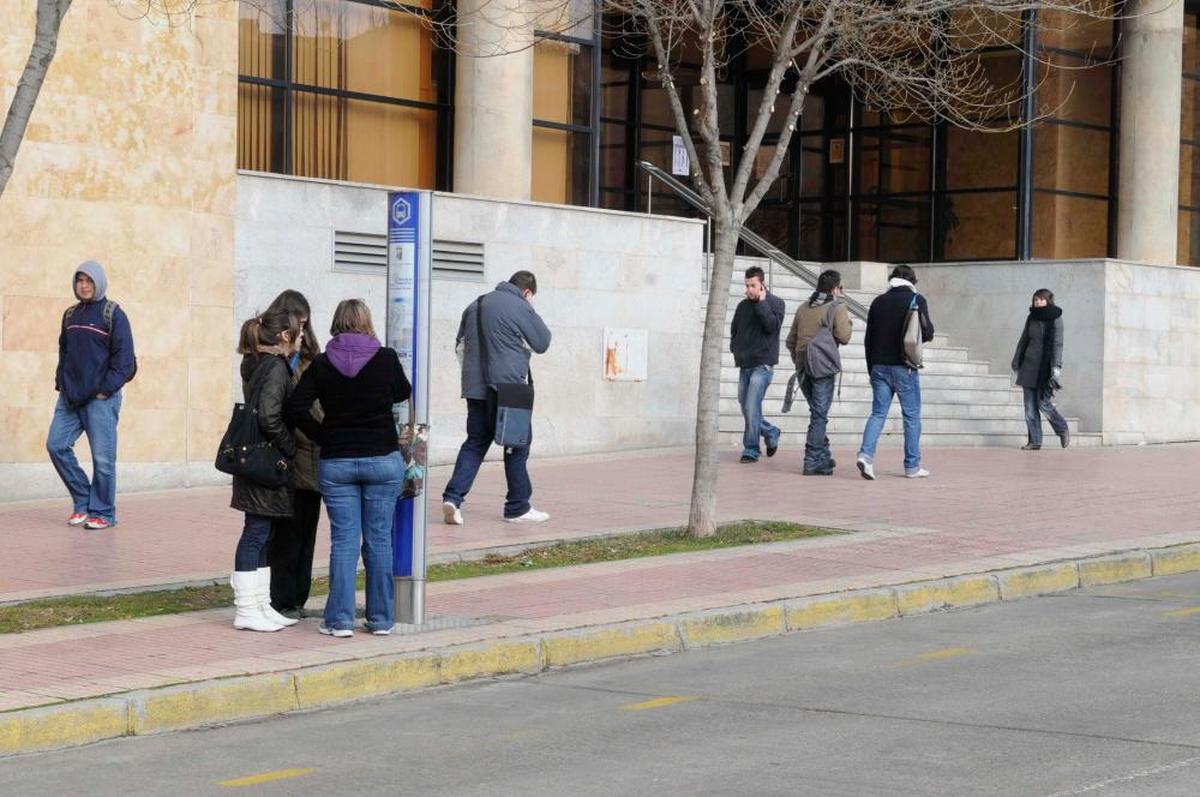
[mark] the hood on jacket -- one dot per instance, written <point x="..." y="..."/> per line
<point x="96" y="272"/>
<point x="350" y="351"/>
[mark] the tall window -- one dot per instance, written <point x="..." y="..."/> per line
<point x="1073" y="144"/>
<point x="343" y="90"/>
<point x="563" y="127"/>
<point x="1189" y="150"/>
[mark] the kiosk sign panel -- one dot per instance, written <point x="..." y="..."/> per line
<point x="408" y="284"/>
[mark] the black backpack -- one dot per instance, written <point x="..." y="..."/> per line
<point x="110" y="309"/>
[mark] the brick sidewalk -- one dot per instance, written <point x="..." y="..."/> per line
<point x="999" y="494"/>
<point x="983" y="509"/>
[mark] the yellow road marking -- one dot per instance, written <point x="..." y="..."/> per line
<point x="659" y="702"/>
<point x="1183" y="612"/>
<point x="935" y="655"/>
<point x="267" y="777"/>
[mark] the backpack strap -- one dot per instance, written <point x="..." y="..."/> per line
<point x="67" y="315"/>
<point x="827" y="320"/>
<point x="110" y="309"/>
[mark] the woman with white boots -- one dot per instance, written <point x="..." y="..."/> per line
<point x="267" y="344"/>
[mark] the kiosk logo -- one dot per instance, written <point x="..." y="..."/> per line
<point x="401" y="211"/>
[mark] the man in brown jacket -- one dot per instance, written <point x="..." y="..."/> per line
<point x="821" y="310"/>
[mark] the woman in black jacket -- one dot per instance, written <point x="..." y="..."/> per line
<point x="290" y="551"/>
<point x="1038" y="366"/>
<point x="267" y="343"/>
<point x="357" y="381"/>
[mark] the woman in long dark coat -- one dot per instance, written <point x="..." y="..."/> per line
<point x="1038" y="365"/>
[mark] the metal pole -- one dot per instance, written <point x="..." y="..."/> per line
<point x="409" y="273"/>
<point x="649" y="192"/>
<point x="1028" y="110"/>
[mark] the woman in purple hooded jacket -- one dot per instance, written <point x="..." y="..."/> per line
<point x="360" y="472"/>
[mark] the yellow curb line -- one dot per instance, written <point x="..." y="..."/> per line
<point x="235" y="698"/>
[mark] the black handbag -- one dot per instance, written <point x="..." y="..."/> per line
<point x="509" y="405"/>
<point x="245" y="452"/>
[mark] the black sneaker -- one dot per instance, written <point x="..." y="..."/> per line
<point x="818" y="471"/>
<point x="1065" y="439"/>
<point x="746" y="459"/>
<point x="772" y="449"/>
<point x="1032" y="447"/>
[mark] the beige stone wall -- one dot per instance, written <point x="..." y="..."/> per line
<point x="130" y="160"/>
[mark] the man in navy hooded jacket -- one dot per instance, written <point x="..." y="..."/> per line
<point x="95" y="360"/>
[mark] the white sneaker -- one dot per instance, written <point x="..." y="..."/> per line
<point x="866" y="468"/>
<point x="383" y="631"/>
<point x="340" y="633"/>
<point x="532" y="516"/>
<point x="451" y="515"/>
<point x="919" y="473"/>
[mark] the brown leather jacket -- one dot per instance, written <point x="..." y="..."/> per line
<point x="808" y="321"/>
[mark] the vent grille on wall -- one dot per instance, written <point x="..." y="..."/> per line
<point x="359" y="252"/>
<point x="367" y="253"/>
<point x="458" y="260"/>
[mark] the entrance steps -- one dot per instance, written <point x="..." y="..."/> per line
<point x="963" y="402"/>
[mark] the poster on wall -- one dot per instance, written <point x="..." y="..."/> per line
<point x="626" y="355"/>
<point x="680" y="162"/>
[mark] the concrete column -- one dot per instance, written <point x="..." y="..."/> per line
<point x="1151" y="86"/>
<point x="493" y="100"/>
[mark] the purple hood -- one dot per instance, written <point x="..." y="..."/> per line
<point x="350" y="351"/>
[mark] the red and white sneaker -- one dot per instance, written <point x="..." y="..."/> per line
<point x="77" y="519"/>
<point x="97" y="524"/>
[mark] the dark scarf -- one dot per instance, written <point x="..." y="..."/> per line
<point x="1047" y="315"/>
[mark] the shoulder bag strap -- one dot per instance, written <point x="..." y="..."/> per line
<point x="483" y="371"/>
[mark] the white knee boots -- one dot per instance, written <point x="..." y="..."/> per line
<point x="264" y="592"/>
<point x="248" y="613"/>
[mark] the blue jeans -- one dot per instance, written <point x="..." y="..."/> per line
<point x="819" y="393"/>
<point x="904" y="382"/>
<point x="1037" y="402"/>
<point x="752" y="386"/>
<point x="481" y="428"/>
<point x="98" y="420"/>
<point x="251" y="551"/>
<point x="360" y="498"/>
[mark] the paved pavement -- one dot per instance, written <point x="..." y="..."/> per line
<point x="1088" y="693"/>
<point x="984" y="509"/>
<point x="989" y="500"/>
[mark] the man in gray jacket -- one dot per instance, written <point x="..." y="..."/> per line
<point x="511" y="329"/>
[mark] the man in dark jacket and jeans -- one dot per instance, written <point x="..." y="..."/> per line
<point x="891" y="374"/>
<point x="512" y="328"/>
<point x="754" y="341"/>
<point x="95" y="360"/>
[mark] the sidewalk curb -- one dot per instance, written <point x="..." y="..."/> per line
<point x="235" y="698"/>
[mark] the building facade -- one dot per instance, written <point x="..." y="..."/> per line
<point x="197" y="160"/>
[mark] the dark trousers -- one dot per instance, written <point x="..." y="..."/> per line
<point x="291" y="552"/>
<point x="481" y="428"/>
<point x="1039" y="402"/>
<point x="819" y="393"/>
<point x="251" y="551"/>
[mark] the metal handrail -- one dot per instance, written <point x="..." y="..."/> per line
<point x="772" y="253"/>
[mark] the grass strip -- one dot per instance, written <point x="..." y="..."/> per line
<point x="78" y="609"/>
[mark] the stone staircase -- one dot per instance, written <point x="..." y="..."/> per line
<point x="963" y="402"/>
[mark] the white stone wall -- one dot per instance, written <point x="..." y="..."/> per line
<point x="595" y="269"/>
<point x="1151" y="353"/>
<point x="1132" y="333"/>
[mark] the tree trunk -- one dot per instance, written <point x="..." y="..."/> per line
<point x="45" y="41"/>
<point x="702" y="520"/>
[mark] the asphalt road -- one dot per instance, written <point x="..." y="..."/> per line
<point x="1093" y="693"/>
